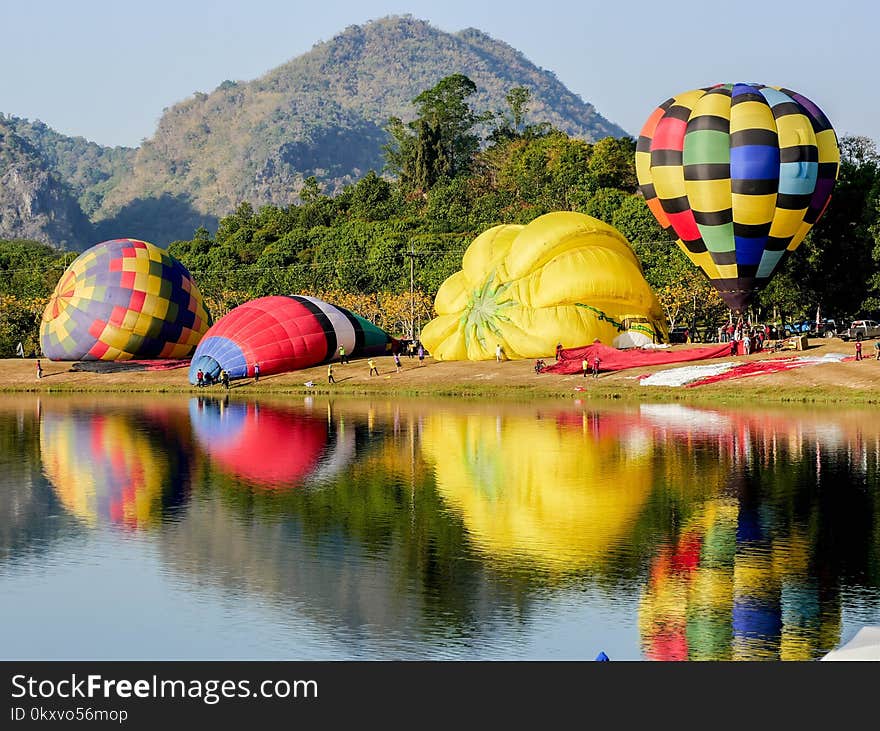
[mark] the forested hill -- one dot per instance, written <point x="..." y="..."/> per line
<point x="324" y="114"/>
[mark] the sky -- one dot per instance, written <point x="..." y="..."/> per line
<point x="106" y="69"/>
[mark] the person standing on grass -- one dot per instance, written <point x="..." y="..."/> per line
<point x="411" y="348"/>
<point x="499" y="353"/>
<point x="200" y="378"/>
<point x="585" y="366"/>
<point x="256" y="372"/>
<point x="224" y="379"/>
<point x="39" y="370"/>
<point x="596" y="362"/>
<point x="330" y="378"/>
<point x="421" y="354"/>
<point x="858" y="349"/>
<point x="372" y="365"/>
<point x="877" y="349"/>
<point x="343" y="358"/>
<point x="397" y="361"/>
<point x="558" y="350"/>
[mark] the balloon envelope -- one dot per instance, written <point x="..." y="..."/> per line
<point x="123" y="299"/>
<point x="565" y="277"/>
<point x="740" y="173"/>
<point x="283" y="333"/>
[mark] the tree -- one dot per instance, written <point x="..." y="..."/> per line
<point x="441" y="141"/>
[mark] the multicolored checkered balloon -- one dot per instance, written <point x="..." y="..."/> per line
<point x="740" y="173"/>
<point x="121" y="300"/>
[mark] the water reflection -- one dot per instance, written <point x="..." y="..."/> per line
<point x="410" y="529"/>
<point x="29" y="510"/>
<point x="556" y="493"/>
<point x="125" y="467"/>
<point x="757" y="572"/>
<point x="272" y="447"/>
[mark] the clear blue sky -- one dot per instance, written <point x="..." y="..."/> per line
<point x="105" y="69"/>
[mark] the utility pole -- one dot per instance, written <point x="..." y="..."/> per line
<point x="412" y="288"/>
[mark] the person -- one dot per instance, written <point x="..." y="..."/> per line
<point x="39" y="370"/>
<point x="558" y="350"/>
<point x="539" y="365"/>
<point x="421" y="354"/>
<point x="224" y="379"/>
<point x="372" y="365"/>
<point x="877" y="348"/>
<point x="733" y="347"/>
<point x="200" y="378"/>
<point x="411" y="348"/>
<point x="596" y="362"/>
<point x="256" y="372"/>
<point x="747" y="344"/>
<point x="499" y="353"/>
<point x="330" y="378"/>
<point x="397" y="361"/>
<point x="342" y="356"/>
<point x="585" y="366"/>
<point x="687" y="335"/>
<point x="858" y="349"/>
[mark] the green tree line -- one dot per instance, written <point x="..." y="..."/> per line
<point x="455" y="171"/>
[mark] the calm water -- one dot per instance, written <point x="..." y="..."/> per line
<point x="307" y="529"/>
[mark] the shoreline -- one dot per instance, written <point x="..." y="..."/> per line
<point x="846" y="383"/>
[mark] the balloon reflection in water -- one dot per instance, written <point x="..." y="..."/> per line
<point x="733" y="587"/>
<point x="544" y="493"/>
<point x="120" y="467"/>
<point x="269" y="447"/>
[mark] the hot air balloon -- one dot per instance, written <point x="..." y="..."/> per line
<point x="283" y="333"/>
<point x="565" y="277"/>
<point x="740" y="173"/>
<point x="120" y="300"/>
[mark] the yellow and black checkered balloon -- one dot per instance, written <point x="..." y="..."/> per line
<point x="740" y="172"/>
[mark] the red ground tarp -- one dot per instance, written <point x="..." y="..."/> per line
<point x="612" y="359"/>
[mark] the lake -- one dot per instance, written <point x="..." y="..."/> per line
<point x="168" y="527"/>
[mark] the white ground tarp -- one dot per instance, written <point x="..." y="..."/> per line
<point x="864" y="646"/>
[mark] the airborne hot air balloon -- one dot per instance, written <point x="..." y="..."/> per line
<point x="283" y="333"/>
<point x="120" y="300"/>
<point x="740" y="173"/>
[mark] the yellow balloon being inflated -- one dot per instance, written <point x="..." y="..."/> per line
<point x="565" y="277"/>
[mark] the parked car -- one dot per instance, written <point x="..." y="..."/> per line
<point x="797" y="328"/>
<point x="679" y="334"/>
<point x="828" y="328"/>
<point x="862" y="330"/>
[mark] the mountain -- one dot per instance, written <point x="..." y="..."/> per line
<point x="34" y="202"/>
<point x="322" y="113"/>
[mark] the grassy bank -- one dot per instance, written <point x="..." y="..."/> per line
<point x="834" y="383"/>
